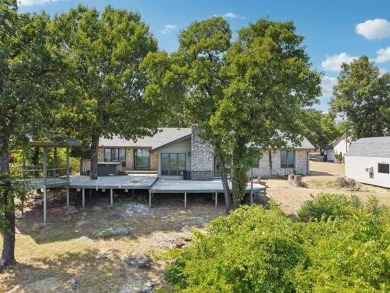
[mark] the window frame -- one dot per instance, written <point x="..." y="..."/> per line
<point x="144" y="151"/>
<point x="115" y="155"/>
<point x="174" y="168"/>
<point x="287" y="164"/>
<point x="386" y="167"/>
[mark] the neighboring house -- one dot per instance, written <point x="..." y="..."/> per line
<point x="340" y="145"/>
<point x="179" y="152"/>
<point x="368" y="159"/>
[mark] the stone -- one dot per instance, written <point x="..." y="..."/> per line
<point x="109" y="232"/>
<point x="139" y="261"/>
<point x="97" y="208"/>
<point x="137" y="286"/>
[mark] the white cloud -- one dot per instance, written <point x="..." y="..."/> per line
<point x="383" y="55"/>
<point x="34" y="2"/>
<point x="230" y="15"/>
<point x="168" y="28"/>
<point x="333" y="63"/>
<point x="374" y="29"/>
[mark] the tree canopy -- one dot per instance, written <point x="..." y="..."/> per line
<point x="104" y="85"/>
<point x="27" y="99"/>
<point x="362" y="96"/>
<point x="246" y="95"/>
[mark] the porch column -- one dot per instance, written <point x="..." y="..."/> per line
<point x="67" y="195"/>
<point x="216" y="199"/>
<point x="112" y="197"/>
<point x="185" y="200"/>
<point x="150" y="198"/>
<point x="83" y="197"/>
<point x="45" y="185"/>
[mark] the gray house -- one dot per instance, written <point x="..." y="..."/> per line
<point x="368" y="159"/>
<point x="174" y="153"/>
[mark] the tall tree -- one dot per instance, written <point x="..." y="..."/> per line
<point x="26" y="100"/>
<point x="319" y="128"/>
<point x="105" y="86"/>
<point x="245" y="95"/>
<point x="270" y="82"/>
<point x="362" y="95"/>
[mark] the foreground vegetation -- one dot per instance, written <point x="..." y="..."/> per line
<point x="335" y="244"/>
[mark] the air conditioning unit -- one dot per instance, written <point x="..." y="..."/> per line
<point x="370" y="169"/>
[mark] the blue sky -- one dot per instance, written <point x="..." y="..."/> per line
<point x="334" y="31"/>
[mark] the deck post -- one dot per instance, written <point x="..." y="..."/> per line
<point x="150" y="198"/>
<point x="185" y="200"/>
<point x="83" y="197"/>
<point x="216" y="199"/>
<point x="112" y="197"/>
<point x="45" y="185"/>
<point x="67" y="164"/>
<point x="67" y="195"/>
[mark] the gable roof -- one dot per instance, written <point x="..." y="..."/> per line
<point x="163" y="137"/>
<point x="370" y="147"/>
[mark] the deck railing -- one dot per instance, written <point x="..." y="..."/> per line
<point x="35" y="174"/>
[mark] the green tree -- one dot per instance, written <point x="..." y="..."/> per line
<point x="319" y="127"/>
<point x="105" y="86"/>
<point x="362" y="96"/>
<point x="26" y="98"/>
<point x="244" y="95"/>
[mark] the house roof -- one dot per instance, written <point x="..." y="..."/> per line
<point x="370" y="147"/>
<point x="63" y="142"/>
<point x="338" y="140"/>
<point x="306" y="145"/>
<point x="163" y="137"/>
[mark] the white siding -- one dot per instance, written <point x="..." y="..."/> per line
<point x="179" y="147"/>
<point x="355" y="169"/>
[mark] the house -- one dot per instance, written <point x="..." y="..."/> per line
<point x="174" y="153"/>
<point x="368" y="159"/>
<point x="339" y="146"/>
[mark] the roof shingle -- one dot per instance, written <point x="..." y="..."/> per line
<point x="370" y="147"/>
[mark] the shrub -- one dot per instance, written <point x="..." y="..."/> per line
<point x="251" y="250"/>
<point x="328" y="206"/>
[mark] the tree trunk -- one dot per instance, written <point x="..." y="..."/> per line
<point x="225" y="184"/>
<point x="239" y="173"/>
<point x="94" y="155"/>
<point x="7" y="200"/>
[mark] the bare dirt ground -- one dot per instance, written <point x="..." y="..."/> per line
<point x="77" y="251"/>
<point x="322" y="179"/>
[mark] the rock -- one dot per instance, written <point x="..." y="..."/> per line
<point x="97" y="208"/>
<point x="70" y="209"/>
<point x="109" y="232"/>
<point x="139" y="261"/>
<point x="137" y="286"/>
<point x="104" y="254"/>
<point x="74" y="283"/>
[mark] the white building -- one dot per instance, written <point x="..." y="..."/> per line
<point x="340" y="145"/>
<point x="368" y="159"/>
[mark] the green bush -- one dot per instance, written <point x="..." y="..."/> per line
<point x="328" y="206"/>
<point x="345" y="249"/>
<point x="251" y="250"/>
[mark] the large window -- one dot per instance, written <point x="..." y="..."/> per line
<point x="287" y="159"/>
<point x="115" y="155"/>
<point x="173" y="164"/>
<point x="141" y="159"/>
<point x="383" y="168"/>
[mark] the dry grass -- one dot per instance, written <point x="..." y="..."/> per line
<point x="66" y="249"/>
<point x="322" y="179"/>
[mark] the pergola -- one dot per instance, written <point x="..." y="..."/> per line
<point x="50" y="177"/>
